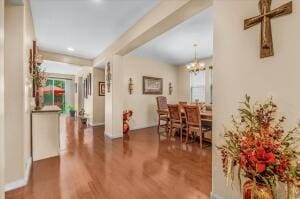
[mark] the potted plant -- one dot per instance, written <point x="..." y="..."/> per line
<point x="82" y="116"/>
<point x="72" y="110"/>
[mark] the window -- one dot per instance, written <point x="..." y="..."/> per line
<point x="198" y="86"/>
<point x="54" y="93"/>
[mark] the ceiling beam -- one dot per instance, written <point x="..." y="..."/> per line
<point x="65" y="58"/>
<point x="16" y="2"/>
<point x="163" y="17"/>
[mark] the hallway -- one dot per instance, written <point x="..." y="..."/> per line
<point x="144" y="166"/>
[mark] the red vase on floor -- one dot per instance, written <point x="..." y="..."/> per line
<point x="125" y="127"/>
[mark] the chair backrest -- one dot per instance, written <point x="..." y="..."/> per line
<point x="161" y="102"/>
<point x="174" y="112"/>
<point x="208" y="107"/>
<point x="192" y="113"/>
<point x="183" y="103"/>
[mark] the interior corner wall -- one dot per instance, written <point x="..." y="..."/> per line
<point x="87" y="101"/>
<point x="14" y="84"/>
<point x="98" y="101"/>
<point x="2" y="130"/>
<point x="238" y="70"/>
<point x="19" y="34"/>
<point x="144" y="107"/>
<point x="183" y="77"/>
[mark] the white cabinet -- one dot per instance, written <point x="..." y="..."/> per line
<point x="45" y="133"/>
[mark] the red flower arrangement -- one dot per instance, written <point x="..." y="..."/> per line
<point x="126" y="117"/>
<point x="261" y="149"/>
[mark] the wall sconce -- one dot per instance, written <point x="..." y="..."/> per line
<point x="170" y="88"/>
<point x="130" y="86"/>
<point x="108" y="77"/>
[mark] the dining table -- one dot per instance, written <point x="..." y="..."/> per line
<point x="206" y="116"/>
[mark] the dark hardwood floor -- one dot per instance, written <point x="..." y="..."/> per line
<point x="145" y="165"/>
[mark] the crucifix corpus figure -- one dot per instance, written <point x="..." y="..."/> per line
<point x="266" y="49"/>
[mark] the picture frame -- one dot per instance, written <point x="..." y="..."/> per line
<point x="152" y="85"/>
<point x="101" y="89"/>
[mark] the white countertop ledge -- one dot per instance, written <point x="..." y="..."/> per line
<point x="48" y="109"/>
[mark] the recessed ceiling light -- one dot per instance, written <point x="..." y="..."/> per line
<point x="71" y="49"/>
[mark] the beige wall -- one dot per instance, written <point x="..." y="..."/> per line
<point x="98" y="101"/>
<point x="144" y="106"/>
<point x="19" y="34"/>
<point x="183" y="77"/>
<point x="239" y="70"/>
<point x="2" y="130"/>
<point x="14" y="109"/>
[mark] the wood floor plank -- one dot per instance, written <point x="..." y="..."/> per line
<point x="145" y="165"/>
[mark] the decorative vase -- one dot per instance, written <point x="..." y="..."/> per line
<point x="83" y="120"/>
<point x="258" y="191"/>
<point x="37" y="100"/>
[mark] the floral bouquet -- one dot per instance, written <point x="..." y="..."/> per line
<point x="39" y="76"/>
<point x="261" y="150"/>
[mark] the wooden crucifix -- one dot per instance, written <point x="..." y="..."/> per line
<point x="266" y="49"/>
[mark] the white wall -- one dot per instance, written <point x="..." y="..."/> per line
<point x="144" y="106"/>
<point x="239" y="70"/>
<point x="183" y="77"/>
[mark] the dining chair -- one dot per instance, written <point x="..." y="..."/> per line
<point x="175" y="119"/>
<point x="193" y="121"/>
<point x="207" y="107"/>
<point x="163" y="113"/>
<point x="207" y="120"/>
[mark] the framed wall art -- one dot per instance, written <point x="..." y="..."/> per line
<point x="101" y="88"/>
<point x="152" y="85"/>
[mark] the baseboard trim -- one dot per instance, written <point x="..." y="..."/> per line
<point x="143" y="127"/>
<point x="96" y="124"/>
<point x="113" y="136"/>
<point x="215" y="196"/>
<point x="21" y="182"/>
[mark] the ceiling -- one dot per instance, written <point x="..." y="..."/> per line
<point x="60" y="68"/>
<point x="176" y="46"/>
<point x="87" y="26"/>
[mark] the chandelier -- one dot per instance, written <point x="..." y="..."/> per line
<point x="195" y="66"/>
